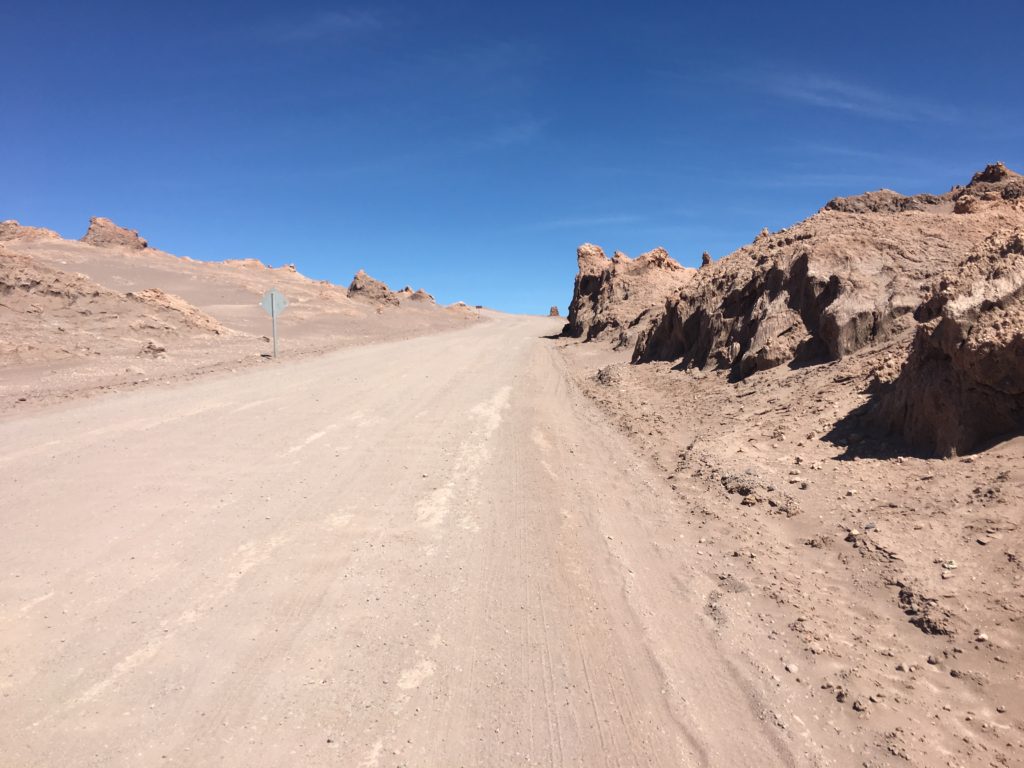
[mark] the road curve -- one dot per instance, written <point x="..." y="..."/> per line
<point x="422" y="553"/>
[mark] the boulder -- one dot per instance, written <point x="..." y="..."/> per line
<point x="365" y="288"/>
<point x="104" y="233"/>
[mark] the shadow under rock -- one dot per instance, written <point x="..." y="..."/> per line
<point x="861" y="437"/>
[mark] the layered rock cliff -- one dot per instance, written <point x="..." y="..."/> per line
<point x="610" y="295"/>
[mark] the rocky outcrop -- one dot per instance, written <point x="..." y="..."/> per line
<point x="244" y="263"/>
<point x="20" y="276"/>
<point x="185" y="314"/>
<point x="883" y="201"/>
<point x="553" y="312"/>
<point x="50" y="314"/>
<point x="419" y="295"/>
<point x="963" y="382"/>
<point x="11" y="229"/>
<point x="610" y="295"/>
<point x="365" y="288"/>
<point x="104" y="233"/>
<point x="849" y="276"/>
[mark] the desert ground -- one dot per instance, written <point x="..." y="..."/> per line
<point x="766" y="512"/>
<point x="396" y="554"/>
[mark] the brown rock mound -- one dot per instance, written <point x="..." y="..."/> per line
<point x="20" y="277"/>
<point x="963" y="382"/>
<point x="882" y="201"/>
<point x="610" y="295"/>
<point x="419" y="295"/>
<point x="553" y="312"/>
<point x="11" y="229"/>
<point x="105" y="234"/>
<point x="49" y="314"/>
<point x="366" y="288"/>
<point x="849" y="276"/>
<point x="188" y="315"/>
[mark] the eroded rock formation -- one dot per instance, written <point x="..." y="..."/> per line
<point x="963" y="382"/>
<point x="366" y="288"/>
<point x="610" y="295"/>
<point x="849" y="276"/>
<point x="104" y="233"/>
<point x="11" y="229"/>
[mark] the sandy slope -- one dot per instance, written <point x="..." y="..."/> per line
<point x="78" y="319"/>
<point x="422" y="553"/>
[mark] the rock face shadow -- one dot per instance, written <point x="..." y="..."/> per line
<point x="861" y="438"/>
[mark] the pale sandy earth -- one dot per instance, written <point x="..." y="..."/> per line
<point x="456" y="541"/>
<point x="429" y="552"/>
<point x="58" y="347"/>
<point x="877" y="593"/>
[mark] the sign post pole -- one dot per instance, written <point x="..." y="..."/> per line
<point x="274" y="302"/>
<point x="273" y="323"/>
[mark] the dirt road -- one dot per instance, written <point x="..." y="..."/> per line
<point x="422" y="553"/>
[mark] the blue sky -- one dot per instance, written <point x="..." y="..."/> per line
<point x="469" y="147"/>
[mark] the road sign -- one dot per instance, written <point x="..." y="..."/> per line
<point x="274" y="302"/>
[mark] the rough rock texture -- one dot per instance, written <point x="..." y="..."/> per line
<point x="883" y="201"/>
<point x="188" y="315"/>
<point x="963" y="382"/>
<point x="366" y="288"/>
<point x="553" y="312"/>
<point x="105" y="234"/>
<point x="610" y="295"/>
<point x="11" y="229"/>
<point x="77" y="319"/>
<point x="408" y="294"/>
<point x="849" y="276"/>
<point x="49" y="314"/>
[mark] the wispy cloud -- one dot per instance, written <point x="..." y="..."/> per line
<point x="832" y="93"/>
<point x="326" y="25"/>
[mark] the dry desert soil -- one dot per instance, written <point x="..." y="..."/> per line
<point x="670" y="532"/>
